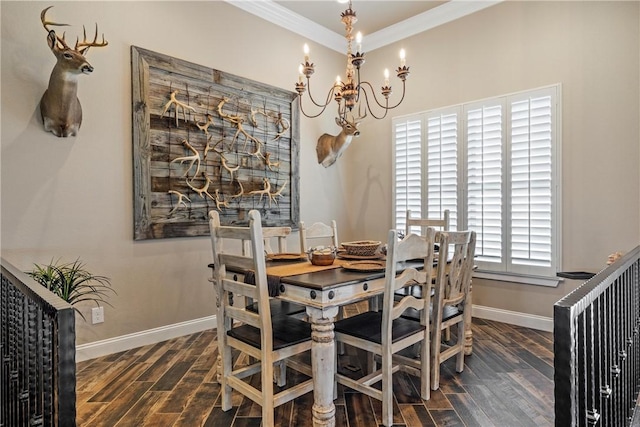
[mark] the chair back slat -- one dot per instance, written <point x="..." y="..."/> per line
<point x="243" y="315"/>
<point x="441" y="223"/>
<point x="240" y="288"/>
<point x="237" y="261"/>
<point x="270" y="233"/>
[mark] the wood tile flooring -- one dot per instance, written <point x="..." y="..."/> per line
<point x="507" y="382"/>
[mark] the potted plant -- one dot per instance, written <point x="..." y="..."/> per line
<point x="72" y="282"/>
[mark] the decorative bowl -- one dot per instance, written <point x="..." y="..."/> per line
<point x="362" y="247"/>
<point x="323" y="257"/>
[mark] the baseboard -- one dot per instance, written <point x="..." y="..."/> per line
<point x="142" y="338"/>
<point x="152" y="336"/>
<point x="514" y="318"/>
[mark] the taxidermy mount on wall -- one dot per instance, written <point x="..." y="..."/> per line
<point x="60" y="108"/>
<point x="330" y="147"/>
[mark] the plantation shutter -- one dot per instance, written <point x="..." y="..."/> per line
<point x="484" y="180"/>
<point x="531" y="183"/>
<point x="442" y="166"/>
<point x="408" y="169"/>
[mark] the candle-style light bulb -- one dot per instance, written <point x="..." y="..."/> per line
<point x="306" y="52"/>
<point x="359" y="41"/>
<point x="338" y="81"/>
<point x="386" y="77"/>
<point x="300" y="73"/>
<point x="403" y="60"/>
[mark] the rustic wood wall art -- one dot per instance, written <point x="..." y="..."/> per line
<point x="204" y="139"/>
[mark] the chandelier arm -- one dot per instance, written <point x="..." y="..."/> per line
<point x="307" y="115"/>
<point x="368" y="107"/>
<point x="327" y="100"/>
<point x="402" y="98"/>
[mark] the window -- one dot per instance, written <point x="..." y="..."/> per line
<point x="494" y="164"/>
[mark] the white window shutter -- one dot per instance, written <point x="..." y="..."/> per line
<point x="531" y="206"/>
<point x="484" y="180"/>
<point x="442" y="166"/>
<point x="408" y="169"/>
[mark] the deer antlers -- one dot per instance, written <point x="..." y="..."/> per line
<point x="81" y="47"/>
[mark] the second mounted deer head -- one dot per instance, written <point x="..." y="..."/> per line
<point x="60" y="108"/>
<point x="330" y="147"/>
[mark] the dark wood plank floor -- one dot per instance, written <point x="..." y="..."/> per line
<point x="507" y="382"/>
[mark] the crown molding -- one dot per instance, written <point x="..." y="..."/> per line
<point x="283" y="17"/>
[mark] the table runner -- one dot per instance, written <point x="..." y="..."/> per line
<point x="277" y="270"/>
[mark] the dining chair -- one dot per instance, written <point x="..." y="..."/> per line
<point x="385" y="333"/>
<point x="269" y="339"/>
<point x="451" y="300"/>
<point x="316" y="231"/>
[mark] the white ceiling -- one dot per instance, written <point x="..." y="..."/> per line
<point x="381" y="22"/>
<point x="373" y="15"/>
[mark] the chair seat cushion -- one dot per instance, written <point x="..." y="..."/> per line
<point x="368" y="326"/>
<point x="279" y="308"/>
<point x="287" y="331"/>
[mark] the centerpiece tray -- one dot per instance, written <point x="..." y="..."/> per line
<point x="286" y="256"/>
<point x="371" y="265"/>
<point x="345" y="255"/>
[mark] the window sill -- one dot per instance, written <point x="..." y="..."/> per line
<point x="551" y="282"/>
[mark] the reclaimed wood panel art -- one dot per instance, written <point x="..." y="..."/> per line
<point x="204" y="139"/>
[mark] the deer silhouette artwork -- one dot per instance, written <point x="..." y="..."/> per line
<point x="59" y="106"/>
<point x="330" y="147"/>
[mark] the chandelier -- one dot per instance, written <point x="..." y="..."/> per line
<point x="352" y="93"/>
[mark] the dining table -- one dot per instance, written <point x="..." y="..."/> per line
<point x="322" y="290"/>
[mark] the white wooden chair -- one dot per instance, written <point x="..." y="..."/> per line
<point x="451" y="299"/>
<point x="317" y="231"/>
<point x="442" y="223"/>
<point x="385" y="333"/>
<point x="257" y="334"/>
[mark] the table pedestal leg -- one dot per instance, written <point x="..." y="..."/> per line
<point x="323" y="362"/>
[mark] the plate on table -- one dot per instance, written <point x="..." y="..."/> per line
<point x="371" y="265"/>
<point x="286" y="256"/>
<point x="345" y="255"/>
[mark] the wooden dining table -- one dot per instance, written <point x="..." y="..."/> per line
<point x="322" y="290"/>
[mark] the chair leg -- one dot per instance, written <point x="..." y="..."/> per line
<point x="435" y="356"/>
<point x="387" y="392"/>
<point x="267" y="395"/>
<point x="425" y="372"/>
<point x="225" y="389"/>
<point x="280" y="373"/>
<point x="460" y="345"/>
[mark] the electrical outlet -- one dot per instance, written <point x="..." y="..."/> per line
<point x="97" y="315"/>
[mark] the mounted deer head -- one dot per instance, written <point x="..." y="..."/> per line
<point x="330" y="147"/>
<point x="59" y="106"/>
